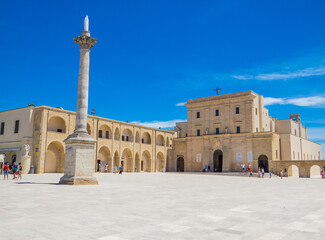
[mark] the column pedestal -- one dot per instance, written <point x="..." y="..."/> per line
<point x="79" y="160"/>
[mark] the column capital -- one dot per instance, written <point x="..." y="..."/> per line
<point x="85" y="42"/>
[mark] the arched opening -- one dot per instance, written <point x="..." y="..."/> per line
<point x="315" y="171"/>
<point x="146" y="139"/>
<point x="137" y="137"/>
<point x="168" y="142"/>
<point x="105" y="132"/>
<point x="116" y="164"/>
<point x="56" y="124"/>
<point x="160" y="140"/>
<point x="263" y="162"/>
<point x="160" y="162"/>
<point x="104" y="155"/>
<point x="88" y="129"/>
<point x="293" y="171"/>
<point x="180" y="164"/>
<point x="137" y="163"/>
<point x="217" y="161"/>
<point x="13" y="159"/>
<point x="127" y="160"/>
<point x="146" y="158"/>
<point x="127" y="135"/>
<point x="117" y="134"/>
<point x="54" y="161"/>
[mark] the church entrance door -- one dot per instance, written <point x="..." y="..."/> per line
<point x="217" y="161"/>
<point x="180" y="164"/>
<point x="263" y="163"/>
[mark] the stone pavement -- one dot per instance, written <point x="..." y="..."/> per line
<point x="163" y="206"/>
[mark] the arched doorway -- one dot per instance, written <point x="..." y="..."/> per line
<point x="54" y="161"/>
<point x="217" y="161"/>
<point x="180" y="164"/>
<point x="263" y="163"/>
<point x="146" y="158"/>
<point x="127" y="160"/>
<point x="160" y="162"/>
<point x="137" y="163"/>
<point x="315" y="171"/>
<point x="104" y="155"/>
<point x="293" y="171"/>
<point x="116" y="164"/>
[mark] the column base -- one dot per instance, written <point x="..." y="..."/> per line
<point x="78" y="180"/>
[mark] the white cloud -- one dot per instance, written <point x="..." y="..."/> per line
<point x="160" y="124"/>
<point x="315" y="101"/>
<point x="307" y="72"/>
<point x="180" y="104"/>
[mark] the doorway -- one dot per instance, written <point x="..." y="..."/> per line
<point x="180" y="164"/>
<point x="217" y="161"/>
<point x="263" y="163"/>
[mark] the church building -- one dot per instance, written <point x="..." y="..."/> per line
<point x="225" y="131"/>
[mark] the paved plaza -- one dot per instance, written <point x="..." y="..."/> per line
<point x="163" y="206"/>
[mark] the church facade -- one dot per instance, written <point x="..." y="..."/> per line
<point x="225" y="131"/>
<point x="44" y="129"/>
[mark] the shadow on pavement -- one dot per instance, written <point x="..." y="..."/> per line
<point x="36" y="183"/>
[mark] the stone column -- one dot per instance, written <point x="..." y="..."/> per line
<point x="80" y="146"/>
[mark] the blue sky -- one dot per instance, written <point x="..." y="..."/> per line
<point x="152" y="55"/>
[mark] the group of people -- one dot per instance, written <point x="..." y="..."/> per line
<point x="15" y="169"/>
<point x="102" y="167"/>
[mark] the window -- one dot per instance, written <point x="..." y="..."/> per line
<point x="100" y="133"/>
<point x="59" y="130"/>
<point x="2" y="130"/>
<point x="142" y="140"/>
<point x="123" y="138"/>
<point x="107" y="134"/>
<point x="238" y="129"/>
<point x="198" y="132"/>
<point x="276" y="154"/>
<point x="16" y="126"/>
<point x="217" y="112"/>
<point x="256" y="129"/>
<point x="256" y="111"/>
<point x="237" y="110"/>
<point x="293" y="155"/>
<point x="217" y="130"/>
<point x="127" y="138"/>
<point x="198" y="115"/>
<point x="295" y="132"/>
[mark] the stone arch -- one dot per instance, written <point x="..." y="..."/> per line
<point x="263" y="162"/>
<point x="167" y="142"/>
<point x="293" y="171"/>
<point x="127" y="160"/>
<point x="104" y="132"/>
<point x="137" y="137"/>
<point x="137" y="163"/>
<point x="180" y="164"/>
<point x="160" y="162"/>
<point x="146" y="158"/>
<point x="127" y="135"/>
<point x="217" y="160"/>
<point x="146" y="138"/>
<point x="117" y="134"/>
<point x="315" y="171"/>
<point x="54" y="161"/>
<point x="104" y="154"/>
<point x="88" y="129"/>
<point x="160" y="141"/>
<point x="116" y="163"/>
<point x="56" y="124"/>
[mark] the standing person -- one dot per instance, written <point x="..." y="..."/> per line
<point x="15" y="168"/>
<point x="259" y="172"/>
<point x="209" y="168"/>
<point x="106" y="168"/>
<point x="285" y="172"/>
<point x="249" y="167"/>
<point x="20" y="169"/>
<point x="243" y="167"/>
<point x="250" y="174"/>
<point x="270" y="174"/>
<point x="1" y="167"/>
<point x="322" y="173"/>
<point x="121" y="169"/>
<point x="6" y="171"/>
<point x="281" y="174"/>
<point x="99" y="167"/>
<point x="263" y="172"/>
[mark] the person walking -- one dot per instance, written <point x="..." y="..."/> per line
<point x="6" y="171"/>
<point x="281" y="174"/>
<point x="106" y="168"/>
<point x="121" y="169"/>
<point x="15" y="168"/>
<point x="259" y="172"/>
<point x="270" y="174"/>
<point x="263" y="172"/>
<point x="243" y="167"/>
<point x="322" y="173"/>
<point x="20" y="169"/>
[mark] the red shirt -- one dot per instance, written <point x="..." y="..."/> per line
<point x="6" y="168"/>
